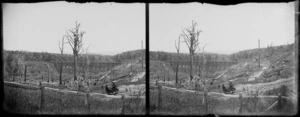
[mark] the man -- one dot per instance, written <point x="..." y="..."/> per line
<point x="225" y="90"/>
<point x="108" y="91"/>
<point x="114" y="88"/>
<point x="231" y="87"/>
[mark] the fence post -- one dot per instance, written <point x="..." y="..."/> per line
<point x="241" y="103"/>
<point x="123" y="106"/>
<point x="88" y="101"/>
<point x="25" y="74"/>
<point x="42" y="104"/>
<point x="205" y="101"/>
<point x="164" y="75"/>
<point x="168" y="78"/>
<point x="159" y="108"/>
<point x="48" y="76"/>
<point x="279" y="99"/>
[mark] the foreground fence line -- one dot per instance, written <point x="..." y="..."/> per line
<point x="88" y="95"/>
<point x="278" y="98"/>
<point x="215" y="93"/>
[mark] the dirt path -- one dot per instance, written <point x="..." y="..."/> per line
<point x="266" y="86"/>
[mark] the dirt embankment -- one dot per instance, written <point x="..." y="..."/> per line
<point x="129" y="77"/>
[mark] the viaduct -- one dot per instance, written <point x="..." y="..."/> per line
<point x="212" y="66"/>
<point x="93" y="67"/>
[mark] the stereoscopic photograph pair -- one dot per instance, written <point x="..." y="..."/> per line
<point x="148" y="59"/>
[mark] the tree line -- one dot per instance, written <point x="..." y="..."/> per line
<point x="52" y="57"/>
<point x="170" y="56"/>
<point x="238" y="56"/>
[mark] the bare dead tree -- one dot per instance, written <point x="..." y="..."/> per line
<point x="258" y="53"/>
<point x="61" y="48"/>
<point x="177" y="65"/>
<point x="191" y="37"/>
<point x="75" y="41"/>
<point x="270" y="50"/>
<point x="142" y="57"/>
<point x="13" y="65"/>
<point x="86" y="63"/>
<point x="203" y="63"/>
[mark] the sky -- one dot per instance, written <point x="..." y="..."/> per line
<point x="111" y="28"/>
<point x="225" y="29"/>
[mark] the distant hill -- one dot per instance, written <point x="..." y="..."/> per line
<point x="129" y="55"/>
<point x="48" y="57"/>
<point x="238" y="56"/>
<point x="264" y="52"/>
<point x="172" y="56"/>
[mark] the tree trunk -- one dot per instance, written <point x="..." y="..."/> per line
<point x="60" y="73"/>
<point x="176" y="76"/>
<point x="258" y="54"/>
<point x="165" y="75"/>
<point x="191" y="66"/>
<point x="75" y="65"/>
<point x="13" y="77"/>
<point x="25" y="74"/>
<point x="48" y="77"/>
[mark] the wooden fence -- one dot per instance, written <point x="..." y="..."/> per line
<point x="277" y="103"/>
<point x="87" y="94"/>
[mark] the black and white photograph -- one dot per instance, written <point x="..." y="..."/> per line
<point x="74" y="58"/>
<point x="150" y="58"/>
<point x="223" y="59"/>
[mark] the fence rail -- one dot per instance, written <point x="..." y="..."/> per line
<point x="215" y="94"/>
<point x="87" y="94"/>
<point x="13" y="84"/>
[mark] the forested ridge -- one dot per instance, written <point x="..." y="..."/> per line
<point x="238" y="56"/>
<point x="52" y="57"/>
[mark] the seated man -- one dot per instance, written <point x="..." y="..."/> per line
<point x="108" y="91"/>
<point x="231" y="88"/>
<point x="225" y="90"/>
<point x="114" y="88"/>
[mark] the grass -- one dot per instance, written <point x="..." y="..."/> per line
<point x="24" y="101"/>
<point x="178" y="103"/>
<point x="21" y="101"/>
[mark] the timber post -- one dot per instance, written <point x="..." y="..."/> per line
<point x="42" y="104"/>
<point x="241" y="103"/>
<point x="159" y="108"/>
<point x="279" y="99"/>
<point x="123" y="105"/>
<point x="205" y="101"/>
<point x="25" y="70"/>
<point x="88" y="101"/>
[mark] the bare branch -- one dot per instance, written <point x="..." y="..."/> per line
<point x="59" y="45"/>
<point x="186" y="38"/>
<point x="71" y="44"/>
<point x="176" y="46"/>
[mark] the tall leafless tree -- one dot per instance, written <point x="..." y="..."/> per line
<point x="258" y="53"/>
<point x="61" y="48"/>
<point x="142" y="57"/>
<point x="203" y="74"/>
<point x="177" y="65"/>
<point x="191" y="37"/>
<point x="75" y="41"/>
<point x="202" y="60"/>
<point x="270" y="50"/>
<point x="86" y="63"/>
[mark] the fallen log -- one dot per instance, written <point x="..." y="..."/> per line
<point x="102" y="77"/>
<point x="18" y="85"/>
